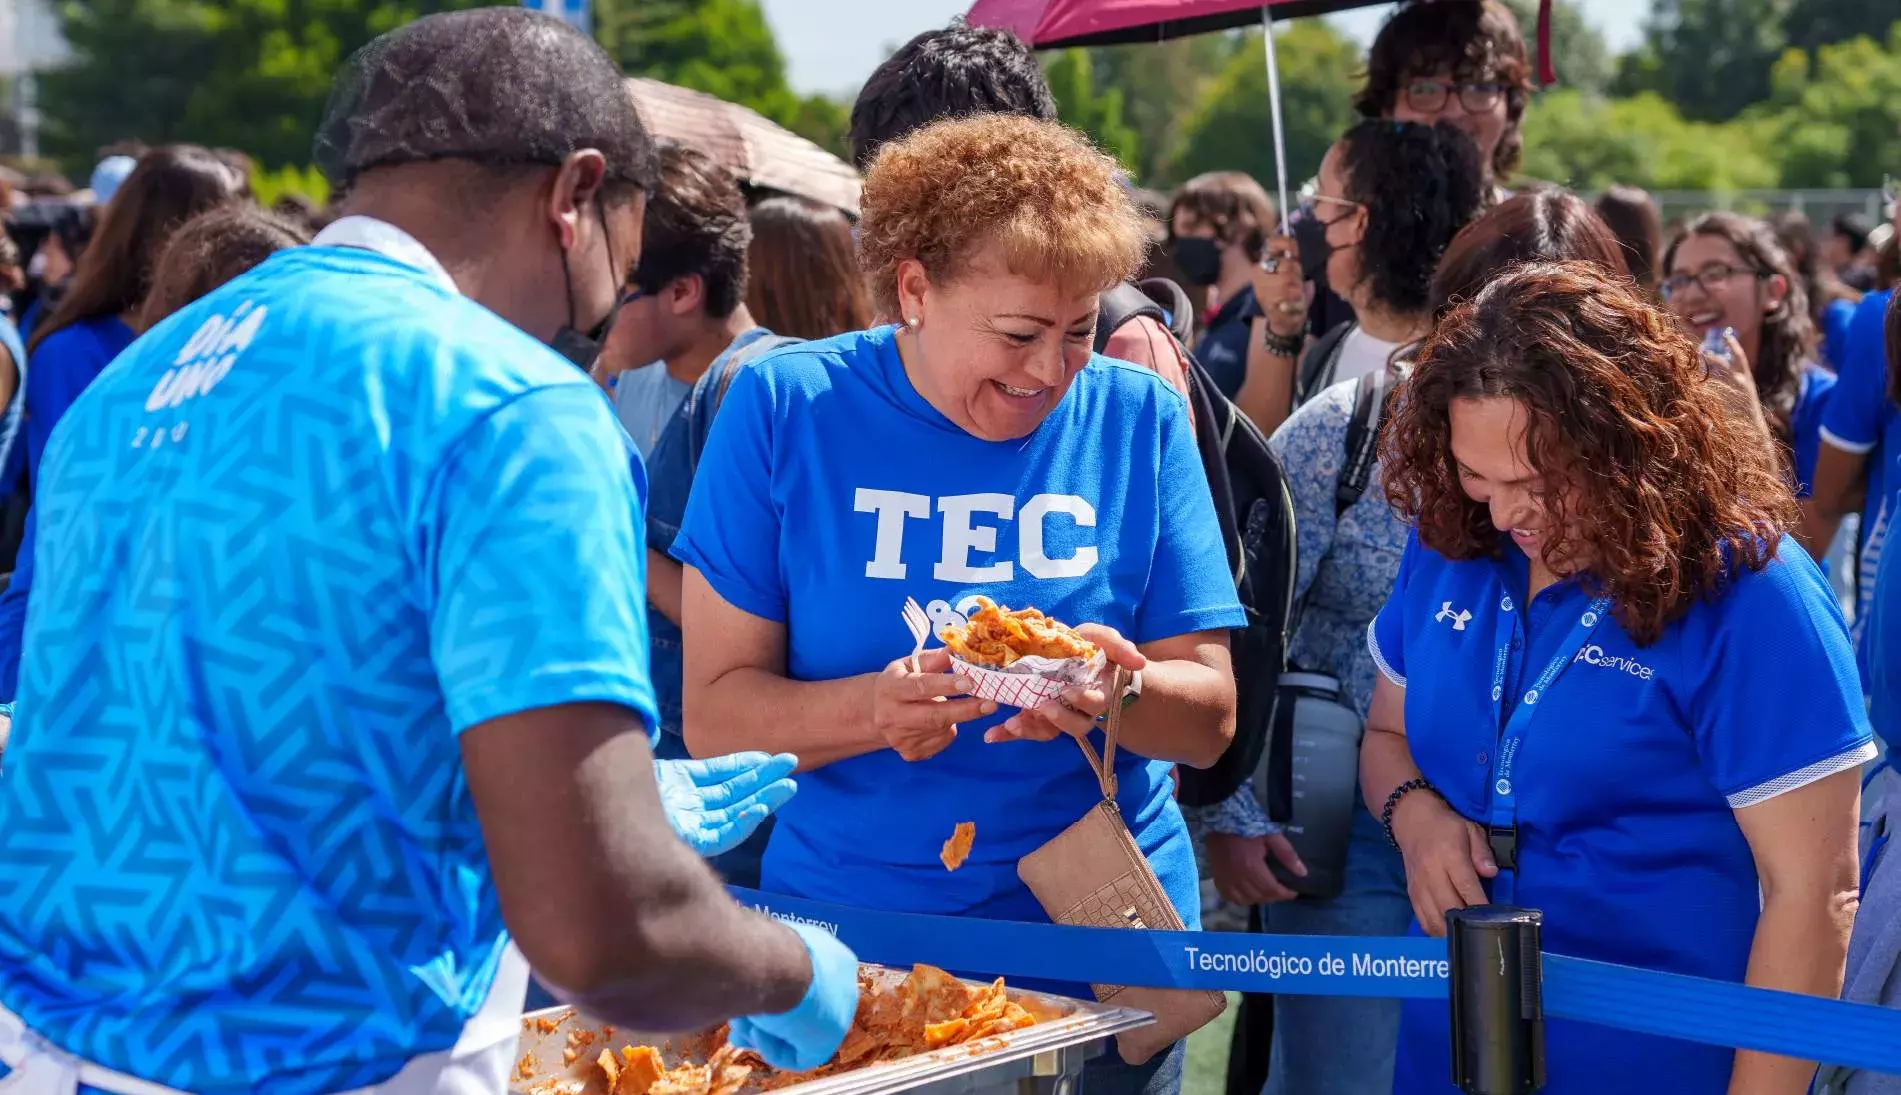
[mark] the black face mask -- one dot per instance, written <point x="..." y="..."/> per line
<point x="584" y="347"/>
<point x="1198" y="257"/>
<point x="1310" y="236"/>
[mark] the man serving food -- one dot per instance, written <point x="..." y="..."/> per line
<point x="335" y="674"/>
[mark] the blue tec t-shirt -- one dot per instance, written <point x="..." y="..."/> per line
<point x="1805" y="424"/>
<point x="1837" y="314"/>
<point x="1628" y="777"/>
<point x="830" y="491"/>
<point x="296" y="540"/>
<point x="1862" y="419"/>
<point x="62" y="365"/>
<point x="1881" y="633"/>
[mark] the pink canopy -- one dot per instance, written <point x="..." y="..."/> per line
<point x="1051" y="24"/>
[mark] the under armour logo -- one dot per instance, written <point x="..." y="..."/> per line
<point x="1459" y="619"/>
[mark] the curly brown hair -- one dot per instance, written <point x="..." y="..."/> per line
<point x="1658" y="489"/>
<point x="1056" y="205"/>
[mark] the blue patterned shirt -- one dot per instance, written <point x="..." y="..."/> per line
<point x="297" y="539"/>
<point x="1345" y="570"/>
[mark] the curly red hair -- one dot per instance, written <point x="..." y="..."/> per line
<point x="1659" y="489"/>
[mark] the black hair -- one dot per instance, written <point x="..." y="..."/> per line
<point x="1854" y="227"/>
<point x="1419" y="184"/>
<point x="1472" y="40"/>
<point x="696" y="223"/>
<point x="502" y="86"/>
<point x="948" y="73"/>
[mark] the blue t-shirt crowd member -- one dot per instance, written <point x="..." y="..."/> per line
<point x="1861" y="433"/>
<point x="63" y="364"/>
<point x="88" y="328"/>
<point x="803" y="532"/>
<point x="1614" y="741"/>
<point x="977" y="448"/>
<point x="334" y="645"/>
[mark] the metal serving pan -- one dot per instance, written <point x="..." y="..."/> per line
<point x="1052" y="1051"/>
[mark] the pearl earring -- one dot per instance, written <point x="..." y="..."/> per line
<point x="911" y="322"/>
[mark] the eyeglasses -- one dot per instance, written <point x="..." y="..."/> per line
<point x="1431" y="96"/>
<point x="1711" y="279"/>
<point x="1310" y="199"/>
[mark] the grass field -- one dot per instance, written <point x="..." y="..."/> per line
<point x="1207" y="1070"/>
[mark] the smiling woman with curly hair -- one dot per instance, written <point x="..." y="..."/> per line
<point x="970" y="447"/>
<point x="1590" y="661"/>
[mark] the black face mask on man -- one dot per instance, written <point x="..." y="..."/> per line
<point x="584" y="347"/>
<point x="1198" y="257"/>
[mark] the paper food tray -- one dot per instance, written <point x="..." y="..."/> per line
<point x="542" y="1051"/>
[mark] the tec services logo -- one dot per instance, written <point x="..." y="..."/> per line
<point x="1593" y="654"/>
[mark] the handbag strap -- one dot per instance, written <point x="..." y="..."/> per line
<point x="1104" y="765"/>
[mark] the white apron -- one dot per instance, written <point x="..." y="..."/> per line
<point x="478" y="1063"/>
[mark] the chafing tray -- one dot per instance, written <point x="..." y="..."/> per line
<point x="1045" y="1058"/>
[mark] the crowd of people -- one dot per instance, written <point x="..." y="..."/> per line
<point x="419" y="607"/>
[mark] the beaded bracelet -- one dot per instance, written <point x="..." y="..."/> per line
<point x="1284" y="345"/>
<point x="1392" y="802"/>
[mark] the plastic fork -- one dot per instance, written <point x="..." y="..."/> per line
<point x="920" y="625"/>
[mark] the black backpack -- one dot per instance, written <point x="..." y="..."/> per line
<point x="1256" y="513"/>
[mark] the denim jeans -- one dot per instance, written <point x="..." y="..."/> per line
<point x="1339" y="1045"/>
<point x="1159" y="1075"/>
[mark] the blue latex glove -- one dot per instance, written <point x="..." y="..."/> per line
<point x="716" y="804"/>
<point x="808" y="1035"/>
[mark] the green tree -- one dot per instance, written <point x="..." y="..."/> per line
<point x="1161" y="85"/>
<point x="1230" y="129"/>
<point x="1083" y="102"/>
<point x="1834" y="119"/>
<point x="1580" y="56"/>
<point x="1587" y="143"/>
<point x="1816" y="23"/>
<point x="1709" y="57"/>
<point x="722" y="47"/>
<point x="251" y="74"/>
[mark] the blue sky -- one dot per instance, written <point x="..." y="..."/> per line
<point x="832" y="45"/>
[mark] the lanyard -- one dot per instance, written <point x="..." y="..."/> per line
<point x="1502" y="817"/>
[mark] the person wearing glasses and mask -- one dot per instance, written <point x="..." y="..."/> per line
<point x="1461" y="62"/>
<point x="372" y="663"/>
<point x="1390" y="197"/>
<point x="1218" y="225"/>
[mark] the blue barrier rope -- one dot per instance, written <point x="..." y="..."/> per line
<point x="1646" y="1001"/>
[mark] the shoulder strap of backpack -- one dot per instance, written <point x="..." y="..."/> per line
<point x="1319" y="362"/>
<point x="1179" y="311"/>
<point x="1362" y="442"/>
<point x="1120" y="305"/>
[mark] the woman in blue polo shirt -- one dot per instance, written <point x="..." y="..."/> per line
<point x="1613" y="687"/>
<point x="975" y="448"/>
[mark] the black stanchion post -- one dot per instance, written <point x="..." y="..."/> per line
<point x="1498" y="1027"/>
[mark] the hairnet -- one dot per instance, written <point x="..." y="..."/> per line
<point x="500" y="85"/>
